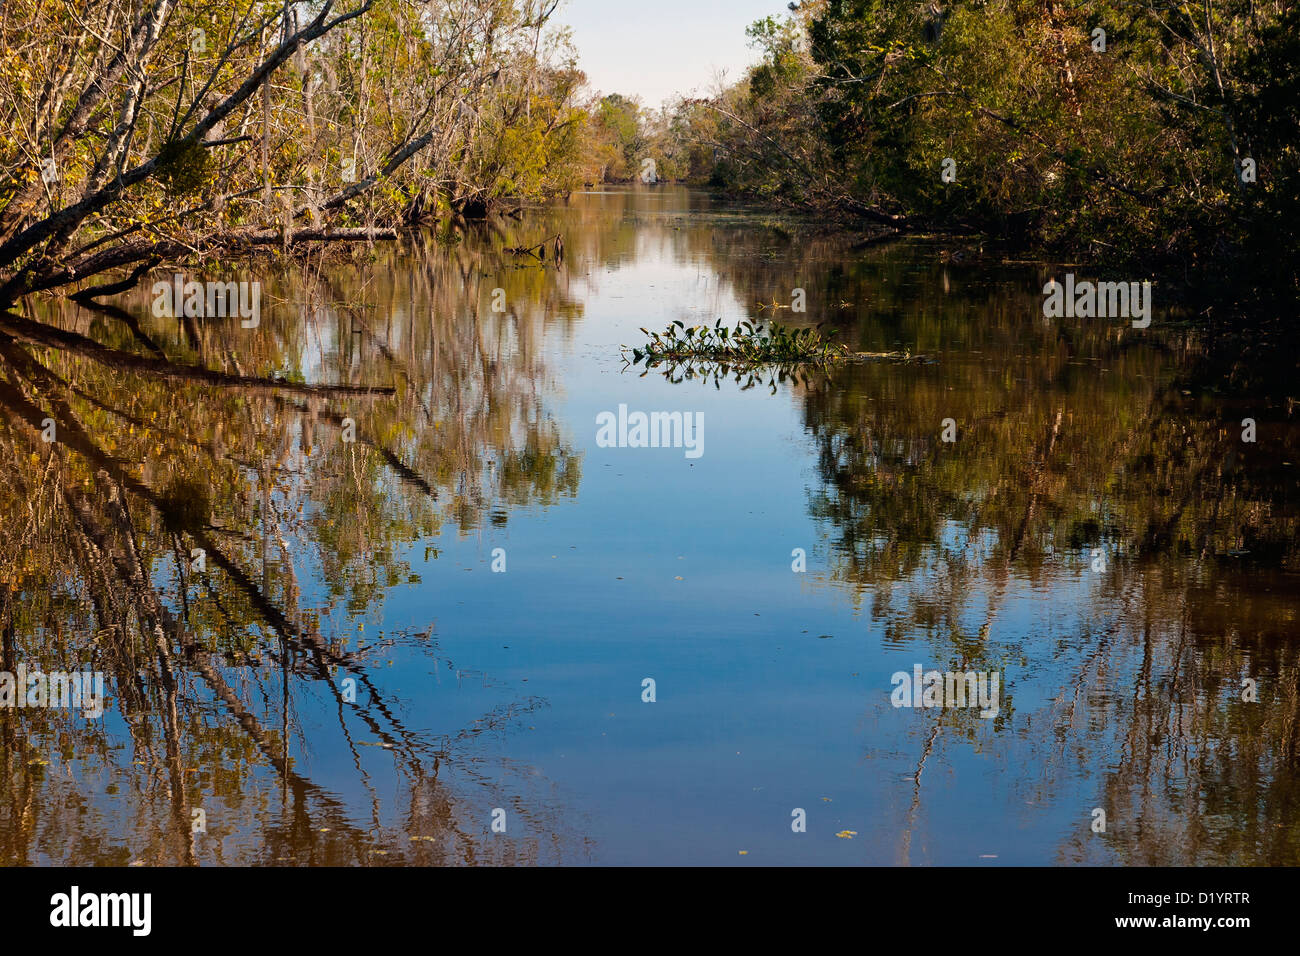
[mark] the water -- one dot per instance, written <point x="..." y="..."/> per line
<point x="344" y="679"/>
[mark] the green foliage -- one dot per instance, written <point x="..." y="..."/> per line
<point x="746" y="344"/>
<point x="400" y="114"/>
<point x="1132" y="153"/>
<point x="618" y="138"/>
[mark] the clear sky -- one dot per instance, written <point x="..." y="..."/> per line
<point x="655" y="48"/>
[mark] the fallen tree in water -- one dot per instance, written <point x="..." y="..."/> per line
<point x="182" y="130"/>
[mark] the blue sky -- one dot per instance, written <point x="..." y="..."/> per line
<point x="655" y="49"/>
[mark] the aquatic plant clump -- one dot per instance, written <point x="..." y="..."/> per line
<point x="746" y="344"/>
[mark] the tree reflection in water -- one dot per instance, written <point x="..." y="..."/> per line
<point x="200" y="531"/>
<point x="1076" y="440"/>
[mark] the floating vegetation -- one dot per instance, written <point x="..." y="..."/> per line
<point x="746" y="344"/>
<point x="772" y="352"/>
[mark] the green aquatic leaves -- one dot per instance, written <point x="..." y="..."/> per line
<point x="745" y="344"/>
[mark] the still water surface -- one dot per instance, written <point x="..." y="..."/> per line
<point x="345" y="680"/>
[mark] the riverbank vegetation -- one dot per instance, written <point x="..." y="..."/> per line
<point x="1162" y="136"/>
<point x="1159" y="138"/>
<point x="132" y="134"/>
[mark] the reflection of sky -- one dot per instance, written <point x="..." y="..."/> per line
<point x="757" y="713"/>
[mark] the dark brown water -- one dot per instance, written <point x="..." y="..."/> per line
<point x="343" y="678"/>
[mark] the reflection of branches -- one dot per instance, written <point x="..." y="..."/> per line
<point x="407" y="474"/>
<point x="127" y="319"/>
<point x="707" y="372"/>
<point x="906" y="852"/>
<point x="113" y="559"/>
<point x="136" y="491"/>
<point x="37" y="333"/>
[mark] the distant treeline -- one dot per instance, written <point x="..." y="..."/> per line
<point x="1156" y="134"/>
